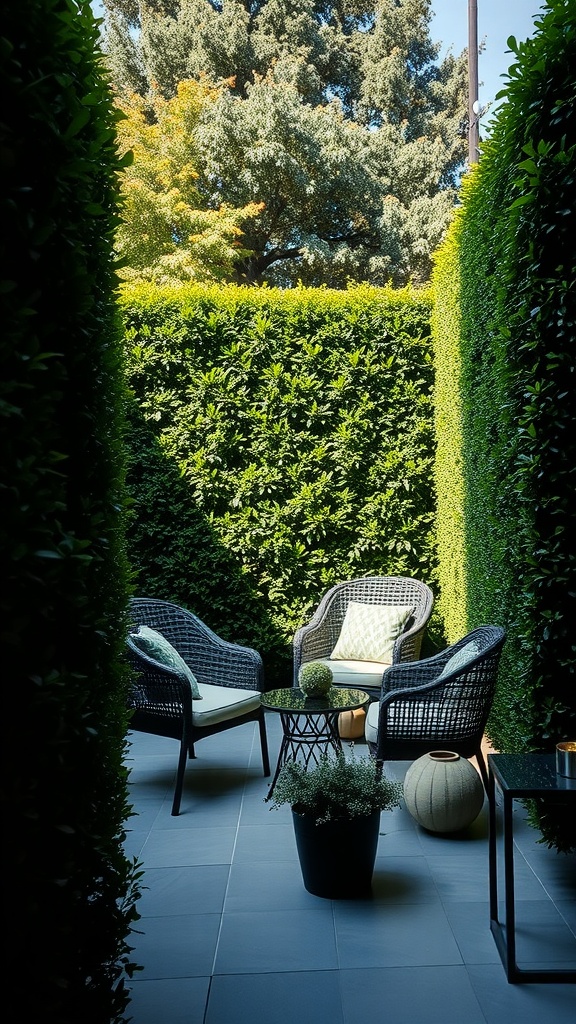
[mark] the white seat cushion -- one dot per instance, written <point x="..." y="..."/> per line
<point x="371" y="726"/>
<point x="358" y="674"/>
<point x="219" y="703"/>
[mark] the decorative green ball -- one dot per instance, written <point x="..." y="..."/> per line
<point x="315" y="678"/>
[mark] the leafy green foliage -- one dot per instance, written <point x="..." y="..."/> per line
<point x="450" y="456"/>
<point x="338" y="786"/>
<point x="165" y="236"/>
<point x="281" y="443"/>
<point x="341" y="125"/>
<point x="517" y="263"/>
<point x="70" y="892"/>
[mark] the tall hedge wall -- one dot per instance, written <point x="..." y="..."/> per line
<point x="446" y="326"/>
<point x="516" y="266"/>
<point x="68" y="890"/>
<point x="281" y="442"/>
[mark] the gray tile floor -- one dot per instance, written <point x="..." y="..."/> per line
<point x="228" y="934"/>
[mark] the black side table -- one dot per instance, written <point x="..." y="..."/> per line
<point x="518" y="776"/>
<point x="310" y="724"/>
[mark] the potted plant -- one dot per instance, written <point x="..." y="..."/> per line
<point x="336" y="806"/>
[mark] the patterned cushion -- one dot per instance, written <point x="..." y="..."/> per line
<point x="156" y="646"/>
<point x="369" y="631"/>
<point x="460" y="659"/>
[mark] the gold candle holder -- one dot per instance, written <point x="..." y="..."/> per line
<point x="566" y="759"/>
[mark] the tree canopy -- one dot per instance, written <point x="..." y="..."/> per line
<point x="324" y="140"/>
<point x="167" y="233"/>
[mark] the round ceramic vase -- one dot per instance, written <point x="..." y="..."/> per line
<point x="443" y="791"/>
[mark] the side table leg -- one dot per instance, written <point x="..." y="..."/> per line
<point x="503" y="937"/>
<point x="492" y="855"/>
<point x="509" y="889"/>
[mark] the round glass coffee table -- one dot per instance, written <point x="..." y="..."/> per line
<point x="310" y="724"/>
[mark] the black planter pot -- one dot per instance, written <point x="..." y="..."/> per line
<point x="337" y="858"/>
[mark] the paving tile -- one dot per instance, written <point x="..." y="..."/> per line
<point x="271" y="841"/>
<point x="470" y="924"/>
<point x="173" y="847"/>
<point x="199" y="889"/>
<point x="169" y="1001"/>
<point x="403" y="880"/>
<point x="269" y="885"/>
<point x="372" y="934"/>
<point x="556" y="871"/>
<point x="274" y="941"/>
<point x="543" y="937"/>
<point x="410" y="995"/>
<point x="175" y="947"/>
<point x="307" y="997"/>
<point x="503" y="1003"/>
<point x="568" y="910"/>
<point x="466" y="878"/>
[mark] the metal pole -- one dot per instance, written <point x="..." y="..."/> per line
<point x="473" y="134"/>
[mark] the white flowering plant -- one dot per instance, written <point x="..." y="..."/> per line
<point x="336" y="787"/>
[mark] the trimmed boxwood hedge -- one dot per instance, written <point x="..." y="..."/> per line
<point x="280" y="442"/>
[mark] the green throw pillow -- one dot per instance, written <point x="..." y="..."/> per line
<point x="369" y="631"/>
<point x="156" y="646"/>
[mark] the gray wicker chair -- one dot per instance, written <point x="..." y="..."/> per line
<point x="432" y="705"/>
<point x="161" y="698"/>
<point x="316" y="639"/>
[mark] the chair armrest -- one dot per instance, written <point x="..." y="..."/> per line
<point x="407" y="676"/>
<point x="408" y="644"/>
<point x="413" y="692"/>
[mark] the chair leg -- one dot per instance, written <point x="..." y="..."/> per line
<point x="180" y="777"/>
<point x="264" y="743"/>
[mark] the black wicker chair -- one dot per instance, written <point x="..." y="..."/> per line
<point x="430" y="705"/>
<point x="161" y="697"/>
<point x="316" y="640"/>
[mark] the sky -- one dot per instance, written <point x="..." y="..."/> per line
<point x="497" y="21"/>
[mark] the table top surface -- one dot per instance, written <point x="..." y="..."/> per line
<point x="292" y="699"/>
<point x="529" y="774"/>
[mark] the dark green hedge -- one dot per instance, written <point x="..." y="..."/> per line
<point x="517" y="266"/>
<point x="281" y="442"/>
<point x="68" y="889"/>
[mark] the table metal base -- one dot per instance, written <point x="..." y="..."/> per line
<point x="310" y="724"/>
<point x="306" y="738"/>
